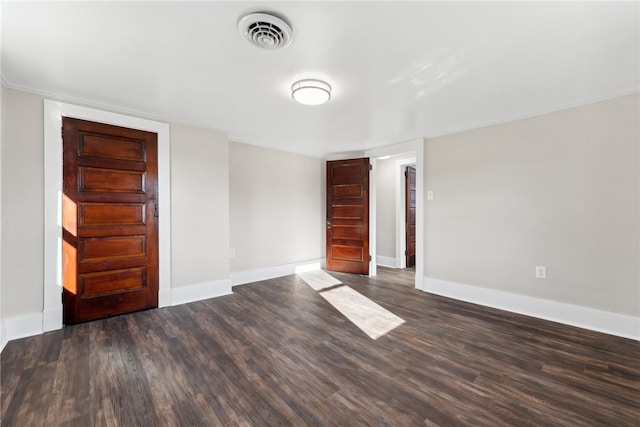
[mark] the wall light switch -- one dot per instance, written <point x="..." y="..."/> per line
<point x="430" y="195"/>
<point x="232" y="253"/>
<point x="541" y="272"/>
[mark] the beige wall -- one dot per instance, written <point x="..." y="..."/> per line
<point x="276" y="207"/>
<point x="22" y="203"/>
<point x="560" y="190"/>
<point x="386" y="208"/>
<point x="199" y="206"/>
<point x="277" y="213"/>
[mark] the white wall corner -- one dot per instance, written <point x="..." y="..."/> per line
<point x="200" y="291"/>
<point x="24" y="325"/>
<point x="259" y="274"/>
<point x="569" y="314"/>
<point x="386" y="261"/>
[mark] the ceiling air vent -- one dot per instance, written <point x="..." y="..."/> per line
<point x="265" y="31"/>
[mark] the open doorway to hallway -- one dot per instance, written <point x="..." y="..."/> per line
<point x="399" y="156"/>
<point x="396" y="211"/>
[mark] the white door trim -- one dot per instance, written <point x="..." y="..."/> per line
<point x="53" y="113"/>
<point x="373" y="218"/>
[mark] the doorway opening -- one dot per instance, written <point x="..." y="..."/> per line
<point x="398" y="156"/>
<point x="52" y="284"/>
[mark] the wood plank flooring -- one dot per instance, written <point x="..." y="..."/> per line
<point x="277" y="353"/>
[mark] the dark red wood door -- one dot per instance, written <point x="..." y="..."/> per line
<point x="410" y="215"/>
<point x="110" y="227"/>
<point x="348" y="216"/>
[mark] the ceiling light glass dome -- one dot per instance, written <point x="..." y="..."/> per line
<point x="311" y="91"/>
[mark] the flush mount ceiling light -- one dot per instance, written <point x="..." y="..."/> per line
<point x="311" y="91"/>
<point x="265" y="31"/>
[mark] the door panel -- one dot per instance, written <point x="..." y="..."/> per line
<point x="108" y="180"/>
<point x="410" y="215"/>
<point x="347" y="233"/>
<point x="106" y="282"/>
<point x="348" y="216"/>
<point x="347" y="253"/>
<point x="110" y="228"/>
<point x="103" y="214"/>
<point x="108" y="148"/>
<point x="110" y="248"/>
<point x="347" y="212"/>
<point x="353" y="190"/>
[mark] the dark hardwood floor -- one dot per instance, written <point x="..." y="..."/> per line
<point x="277" y="353"/>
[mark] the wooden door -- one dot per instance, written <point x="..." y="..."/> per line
<point x="110" y="220"/>
<point x="348" y="216"/>
<point x="410" y="215"/>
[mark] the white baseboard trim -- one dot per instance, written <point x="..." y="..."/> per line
<point x="386" y="261"/>
<point x="3" y="336"/>
<point x="52" y="319"/>
<point x="259" y="274"/>
<point x="200" y="291"/>
<point x="574" y="315"/>
<point x="164" y="298"/>
<point x="23" y="325"/>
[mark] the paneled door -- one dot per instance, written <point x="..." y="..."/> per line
<point x="348" y="216"/>
<point x="410" y="215"/>
<point x="110" y="220"/>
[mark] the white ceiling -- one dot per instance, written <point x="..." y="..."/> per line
<point x="400" y="70"/>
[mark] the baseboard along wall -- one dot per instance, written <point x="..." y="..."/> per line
<point x="569" y="314"/>
<point x="386" y="261"/>
<point x="259" y="274"/>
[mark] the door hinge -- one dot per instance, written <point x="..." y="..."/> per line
<point x="62" y="297"/>
<point x="369" y="257"/>
<point x="405" y="173"/>
<point x="370" y="167"/>
<point x="405" y="252"/>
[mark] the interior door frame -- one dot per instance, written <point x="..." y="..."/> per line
<point x="401" y="232"/>
<point x="53" y="112"/>
<point x="414" y="146"/>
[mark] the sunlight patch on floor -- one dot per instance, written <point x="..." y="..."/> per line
<point x="319" y="279"/>
<point x="373" y="319"/>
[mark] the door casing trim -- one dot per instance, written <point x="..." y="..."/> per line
<point x="401" y="232"/>
<point x="53" y="112"/>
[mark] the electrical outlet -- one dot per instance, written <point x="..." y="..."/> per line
<point x="232" y="253"/>
<point x="541" y="272"/>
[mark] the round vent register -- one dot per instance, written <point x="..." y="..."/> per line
<point x="265" y="31"/>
